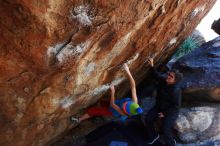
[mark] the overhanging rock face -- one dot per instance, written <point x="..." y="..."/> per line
<point x="57" y="57"/>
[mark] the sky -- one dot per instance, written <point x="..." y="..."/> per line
<point x="205" y="25"/>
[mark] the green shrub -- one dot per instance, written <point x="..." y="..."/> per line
<point x="186" y="47"/>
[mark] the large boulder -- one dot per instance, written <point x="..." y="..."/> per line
<point x="59" y="56"/>
<point x="199" y="124"/>
<point x="201" y="70"/>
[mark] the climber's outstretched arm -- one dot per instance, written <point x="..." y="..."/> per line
<point x="112" y="101"/>
<point x="132" y="83"/>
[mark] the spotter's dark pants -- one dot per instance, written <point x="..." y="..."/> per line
<point x="167" y="125"/>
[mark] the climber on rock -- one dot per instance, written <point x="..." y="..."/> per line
<point x="168" y="102"/>
<point x="121" y="108"/>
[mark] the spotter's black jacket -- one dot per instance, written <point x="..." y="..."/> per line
<point x="168" y="98"/>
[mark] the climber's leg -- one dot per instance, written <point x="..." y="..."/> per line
<point x="91" y="112"/>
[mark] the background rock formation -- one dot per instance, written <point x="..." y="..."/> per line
<point x="201" y="72"/>
<point x="57" y="57"/>
<point x="216" y="26"/>
<point x="199" y="124"/>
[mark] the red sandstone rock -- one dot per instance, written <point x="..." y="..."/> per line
<point x="57" y="57"/>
